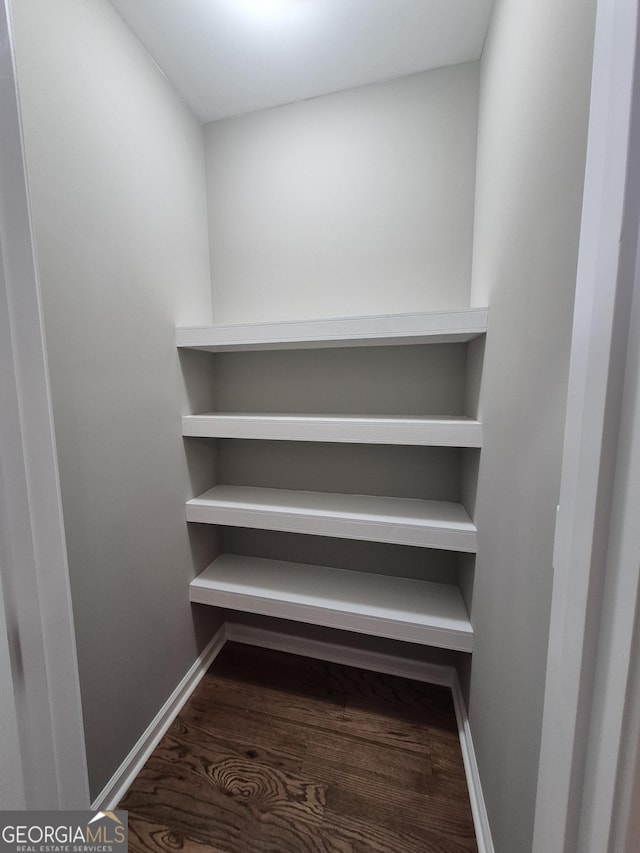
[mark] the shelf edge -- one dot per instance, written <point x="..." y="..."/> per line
<point x="434" y="433"/>
<point x="461" y="324"/>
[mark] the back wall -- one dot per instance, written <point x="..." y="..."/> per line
<point x="359" y="202"/>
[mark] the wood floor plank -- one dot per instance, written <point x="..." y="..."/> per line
<point x="399" y="734"/>
<point x="400" y="812"/>
<point x="431" y="703"/>
<point x="406" y="715"/>
<point x="333" y="758"/>
<point x="428" y="706"/>
<point x="328" y="752"/>
<point x="276" y="753"/>
<point x="145" y="836"/>
<point x="233" y="805"/>
<point x="291" y="672"/>
<point x="370" y="836"/>
<point x="245" y="733"/>
<point x="403" y="792"/>
<point x="312" y="707"/>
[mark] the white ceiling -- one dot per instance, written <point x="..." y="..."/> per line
<point x="228" y="57"/>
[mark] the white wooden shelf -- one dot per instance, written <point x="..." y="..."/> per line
<point x="405" y="521"/>
<point x="410" y="610"/>
<point x="458" y="325"/>
<point x="420" y="430"/>
<point x="396" y="608"/>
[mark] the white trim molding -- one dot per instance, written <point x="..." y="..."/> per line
<point x="594" y="595"/>
<point x="472" y="772"/>
<point x="35" y="578"/>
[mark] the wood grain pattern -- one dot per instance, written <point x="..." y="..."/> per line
<point x="276" y="753"/>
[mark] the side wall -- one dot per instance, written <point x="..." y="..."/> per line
<point x="534" y="99"/>
<point x="116" y="171"/>
<point x="359" y="202"/>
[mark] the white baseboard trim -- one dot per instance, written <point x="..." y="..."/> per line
<point x="447" y="676"/>
<point x="117" y="786"/>
<point x="478" y="807"/>
<point x="336" y="653"/>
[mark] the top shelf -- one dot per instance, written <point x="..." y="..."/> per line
<point x="432" y="327"/>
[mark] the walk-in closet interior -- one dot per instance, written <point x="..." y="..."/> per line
<point x="308" y="324"/>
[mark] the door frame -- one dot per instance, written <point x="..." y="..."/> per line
<point x="37" y="653"/>
<point x="589" y="734"/>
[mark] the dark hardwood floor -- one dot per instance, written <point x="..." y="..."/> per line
<point x="276" y="753"/>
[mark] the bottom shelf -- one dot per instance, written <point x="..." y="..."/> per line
<point x="415" y="611"/>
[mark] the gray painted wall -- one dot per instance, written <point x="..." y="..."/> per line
<point x="532" y="136"/>
<point x="359" y="202"/>
<point x="119" y="209"/>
